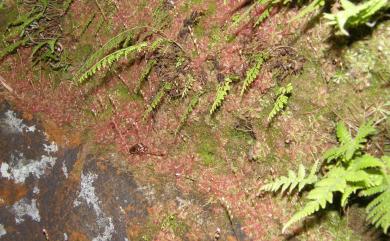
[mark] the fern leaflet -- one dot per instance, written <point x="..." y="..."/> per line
<point x="108" y="60"/>
<point x="253" y="72"/>
<point x="354" y="15"/>
<point x="321" y="195"/>
<point x="144" y="75"/>
<point x="194" y="102"/>
<point x="222" y="92"/>
<point x="293" y="180"/>
<point x="113" y="43"/>
<point x="157" y="100"/>
<point x="348" y="145"/>
<point x="281" y="102"/>
<point x="379" y="209"/>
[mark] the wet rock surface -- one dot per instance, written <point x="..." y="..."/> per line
<point x="51" y="190"/>
<point x="48" y="193"/>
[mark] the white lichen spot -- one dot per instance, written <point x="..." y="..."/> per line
<point x="2" y="230"/>
<point x="19" y="170"/>
<point x="4" y="170"/>
<point x="36" y="190"/>
<point x="65" y="237"/>
<point x="22" y="208"/>
<point x="65" y="170"/>
<point x="87" y="194"/>
<point x="148" y="192"/>
<point x="108" y="229"/>
<point x="14" y="124"/>
<point x="49" y="149"/>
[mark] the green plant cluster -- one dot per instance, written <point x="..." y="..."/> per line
<point x="222" y="91"/>
<point x="283" y="95"/>
<point x="349" y="170"/>
<point x="157" y="99"/>
<point x="38" y="28"/>
<point x="349" y="16"/>
<point x="254" y="71"/>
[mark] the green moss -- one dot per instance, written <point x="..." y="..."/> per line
<point x="176" y="225"/>
<point x="161" y="16"/>
<point x="199" y="31"/>
<point x="337" y="226"/>
<point x="81" y="53"/>
<point x="238" y="143"/>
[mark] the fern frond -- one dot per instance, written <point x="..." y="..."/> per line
<point x="113" y="43"/>
<point x="349" y="146"/>
<point x="264" y="15"/>
<point x="321" y="195"/>
<point x="144" y="75"/>
<point x="222" y="92"/>
<point x="354" y="15"/>
<point x="309" y="9"/>
<point x="157" y="100"/>
<point x="281" y="102"/>
<point x="12" y="47"/>
<point x="157" y="43"/>
<point x="188" y="85"/>
<point x="364" y="162"/>
<point x="379" y="210"/>
<point x="253" y="72"/>
<point x="194" y="102"/>
<point x="342" y="133"/>
<point x="108" y="60"/>
<point x="293" y="180"/>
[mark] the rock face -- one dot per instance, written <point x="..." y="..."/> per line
<point x="47" y="192"/>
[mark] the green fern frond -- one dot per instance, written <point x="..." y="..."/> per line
<point x="188" y="85"/>
<point x="222" y="92"/>
<point x="157" y="43"/>
<point x="354" y="15"/>
<point x="264" y="15"/>
<point x="113" y="43"/>
<point x="12" y="47"/>
<point x="342" y="133"/>
<point x="364" y="162"/>
<point x="253" y="72"/>
<point x="321" y="195"/>
<point x="309" y="9"/>
<point x="108" y="60"/>
<point x="194" y="102"/>
<point x="281" y="102"/>
<point x="293" y="180"/>
<point x="144" y="75"/>
<point x="349" y="146"/>
<point x="379" y="209"/>
<point x="157" y="100"/>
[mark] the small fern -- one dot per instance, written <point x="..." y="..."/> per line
<point x="281" y="102"/>
<point x="354" y="15"/>
<point x="263" y="16"/>
<point x="348" y="145"/>
<point x="157" y="99"/>
<point x="222" y="92"/>
<point x="187" y="85"/>
<point x="113" y="43"/>
<point x="321" y="195"/>
<point x="108" y="60"/>
<point x="379" y="209"/>
<point x="352" y="172"/>
<point x="293" y="180"/>
<point x="144" y="75"/>
<point x="253" y="72"/>
<point x="192" y="105"/>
